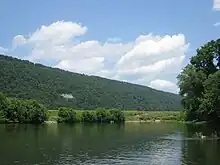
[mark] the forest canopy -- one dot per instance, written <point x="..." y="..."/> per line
<point x="199" y="83"/>
<point x="56" y="88"/>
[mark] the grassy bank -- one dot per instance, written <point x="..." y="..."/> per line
<point x="136" y="116"/>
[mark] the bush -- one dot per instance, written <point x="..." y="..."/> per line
<point x="23" y="111"/>
<point x="3" y="102"/>
<point x="38" y="113"/>
<point x="103" y="116"/>
<point x="67" y="115"/>
<point x="89" y="116"/>
<point x="117" y="116"/>
<point x="10" y="112"/>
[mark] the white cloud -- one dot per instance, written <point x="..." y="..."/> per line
<point x="3" y="50"/>
<point x="216" y="24"/>
<point x="89" y="66"/>
<point x="216" y="5"/>
<point x="141" y="61"/>
<point x="152" y="56"/>
<point x="164" y="85"/>
<point x="18" y="41"/>
<point x="58" y="33"/>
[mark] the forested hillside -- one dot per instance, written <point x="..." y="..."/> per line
<point x="55" y="88"/>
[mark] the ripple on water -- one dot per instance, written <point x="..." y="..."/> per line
<point x="157" y="152"/>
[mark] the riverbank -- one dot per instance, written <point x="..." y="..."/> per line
<point x="137" y="116"/>
<point x="131" y="116"/>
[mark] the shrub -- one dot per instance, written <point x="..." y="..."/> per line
<point x="3" y="102"/>
<point x="89" y="116"/>
<point x="103" y="116"/>
<point x="67" y="115"/>
<point x="117" y="116"/>
<point x="38" y="113"/>
<point x="23" y="111"/>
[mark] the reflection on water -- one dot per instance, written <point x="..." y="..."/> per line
<point x="129" y="144"/>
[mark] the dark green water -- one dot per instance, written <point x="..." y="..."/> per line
<point x="130" y="144"/>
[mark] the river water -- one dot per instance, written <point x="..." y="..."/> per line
<point x="128" y="144"/>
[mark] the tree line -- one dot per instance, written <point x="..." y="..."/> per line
<point x="68" y="115"/>
<point x="30" y="111"/>
<point x="199" y="84"/>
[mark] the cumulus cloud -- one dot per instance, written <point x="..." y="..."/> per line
<point x="216" y="5"/>
<point x="89" y="66"/>
<point x="164" y="85"/>
<point x="3" y="50"/>
<point x="18" y="40"/>
<point x="154" y="55"/>
<point x="143" y="60"/>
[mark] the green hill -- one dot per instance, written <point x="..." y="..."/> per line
<point x="55" y="88"/>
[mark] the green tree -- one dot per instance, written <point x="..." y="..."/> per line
<point x="24" y="111"/>
<point x="3" y="102"/>
<point x="38" y="113"/>
<point x="67" y="115"/>
<point x="117" y="116"/>
<point x="210" y="102"/>
<point x="89" y="117"/>
<point x="199" y="83"/>
<point x="11" y="112"/>
<point x="103" y="116"/>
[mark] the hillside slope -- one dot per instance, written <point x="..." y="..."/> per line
<point x="27" y="80"/>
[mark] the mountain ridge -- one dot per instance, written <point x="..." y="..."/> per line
<point x="47" y="84"/>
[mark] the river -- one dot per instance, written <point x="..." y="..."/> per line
<point x="128" y="144"/>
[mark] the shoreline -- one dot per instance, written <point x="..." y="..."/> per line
<point x="127" y="121"/>
<point x="134" y="121"/>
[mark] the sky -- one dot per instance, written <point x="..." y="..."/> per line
<point x="144" y="42"/>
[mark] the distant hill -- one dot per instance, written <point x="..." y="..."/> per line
<point x="55" y="88"/>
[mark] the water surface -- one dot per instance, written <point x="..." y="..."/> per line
<point x="129" y="144"/>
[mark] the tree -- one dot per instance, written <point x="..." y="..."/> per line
<point x="3" y="102"/>
<point x="89" y="117"/>
<point x="38" y="112"/>
<point x="67" y="115"/>
<point x="117" y="116"/>
<point x="22" y="111"/>
<point x="199" y="83"/>
<point x="103" y="116"/>
<point x="210" y="103"/>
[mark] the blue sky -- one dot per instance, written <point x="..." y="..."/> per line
<point x="102" y="37"/>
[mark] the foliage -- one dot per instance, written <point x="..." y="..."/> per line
<point x="49" y="86"/>
<point x="127" y="115"/>
<point x="199" y="83"/>
<point x="3" y="102"/>
<point x="67" y="115"/>
<point x="37" y="112"/>
<point x="89" y="117"/>
<point x="117" y="116"/>
<point x="103" y="116"/>
<point x="23" y="111"/>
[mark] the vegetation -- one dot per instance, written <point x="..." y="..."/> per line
<point x="199" y="84"/>
<point x="128" y="116"/>
<point x="68" y="115"/>
<point x="30" y="111"/>
<point x="22" y="111"/>
<point x="57" y="88"/>
<point x="154" y="115"/>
